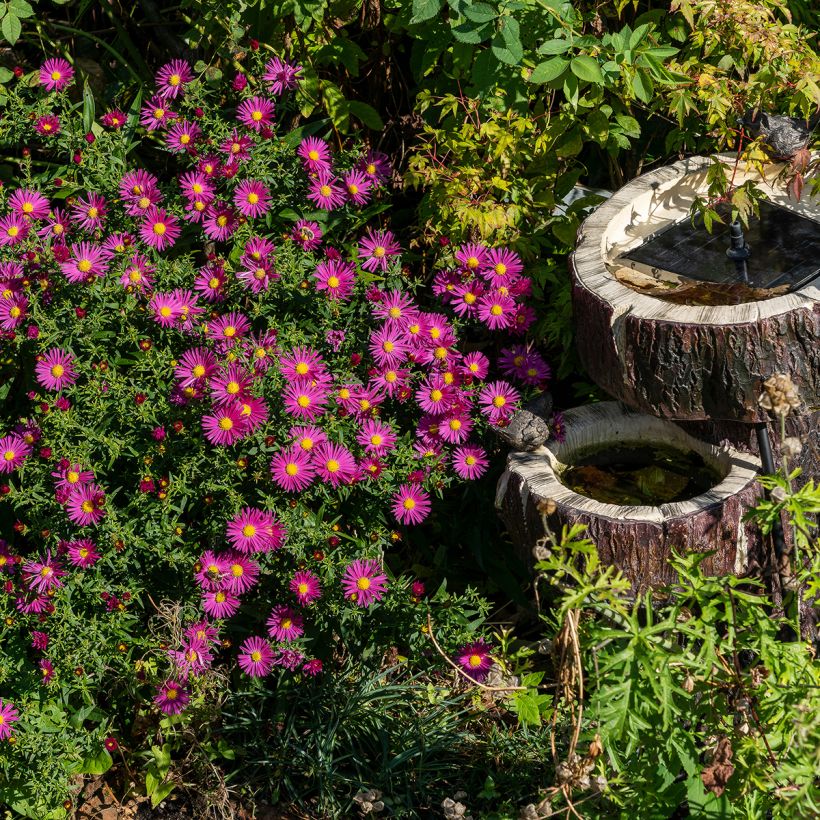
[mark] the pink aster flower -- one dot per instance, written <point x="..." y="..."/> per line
<point x="305" y="399"/>
<point x="376" y="165"/>
<point x="203" y="631"/>
<point x="376" y="249"/>
<point x="395" y="306"/>
<point x="220" y="604"/>
<point x="114" y="119"/>
<point x="306" y="587"/>
<point x="364" y="583"/>
<point x="172" y="78"/>
<point x="254" y="412"/>
<point x="523" y="319"/>
<point x="411" y="504"/>
<point x="42" y="576"/>
<point x="231" y="383"/>
<point x="281" y="75"/>
<point x="197" y="185"/>
<point x="502" y="266"/>
<point x="31" y="204"/>
<point x="307" y="234"/>
<point x="475" y="660"/>
<point x="388" y="346"/>
<point x="255" y="113"/>
<point x="89" y="213"/>
<point x="292" y="470"/>
<point x="358" y="187"/>
<point x="210" y="283"/>
<point x="155" y="114"/>
<point x="172" y="697"/>
<point x="219" y="222"/>
<point x="159" y="229"/>
<point x="86" y="505"/>
<point x="455" y="426"/>
<point x="475" y="365"/>
<point x="68" y="475"/>
<point x="86" y="264"/>
<point x="391" y="381"/>
<point x="225" y="425"/>
<point x="166" y="309"/>
<point x="303" y="363"/>
<point x="83" y="553"/>
<point x="56" y="370"/>
<point x="255" y="657"/>
<point x="47" y="126"/>
<point x="182" y="136"/>
<point x="212" y="571"/>
<point x="253" y="530"/>
<point x="138" y="274"/>
<point x="315" y="155"/>
<point x="242" y="573"/>
<point x="227" y="329"/>
<point x="252" y="198"/>
<point x="308" y="438"/>
<point x="194" y="365"/>
<point x="39" y="641"/>
<point x="465" y="297"/>
<point x="496" y="310"/>
<point x="334" y="464"/>
<point x="46" y="671"/>
<point x="56" y="74"/>
<point x="472" y="257"/>
<point x="497" y="401"/>
<point x="336" y="279"/>
<point x="434" y="395"/>
<point x="326" y="193"/>
<point x="313" y="667"/>
<point x="13" y="312"/>
<point x="237" y="147"/>
<point x="376" y="437"/>
<point x="13" y="229"/>
<point x="257" y="278"/>
<point x="285" y="624"/>
<point x="469" y="462"/>
<point x="8" y="717"/>
<point x="193" y="658"/>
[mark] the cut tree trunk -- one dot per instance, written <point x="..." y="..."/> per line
<point x="678" y="361"/>
<point x="639" y="541"/>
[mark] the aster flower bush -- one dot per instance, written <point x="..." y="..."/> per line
<point x="221" y="389"/>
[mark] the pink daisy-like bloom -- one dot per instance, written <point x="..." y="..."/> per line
<point x="472" y="257"/>
<point x="39" y="641"/>
<point x="523" y="319"/>
<point x="502" y="266"/>
<point x="138" y="274"/>
<point x="86" y="264"/>
<point x="56" y="74"/>
<point x="89" y="213"/>
<point x="305" y="399"/>
<point x="285" y="623"/>
<point x="56" y="225"/>
<point x="135" y="184"/>
<point x="71" y="475"/>
<point x="313" y="667"/>
<point x="193" y="658"/>
<point x="114" y="119"/>
<point x="306" y="587"/>
<point x="397" y="307"/>
<point x="220" y="604"/>
<point x="303" y="363"/>
<point x="252" y="530"/>
<point x="203" y="631"/>
<point x="391" y="381"/>
<point x="8" y="717"/>
<point x="455" y="426"/>
<point x="230" y="328"/>
<point x="166" y="309"/>
<point x="210" y="283"/>
<point x="257" y="278"/>
<point x="260" y="350"/>
<point x="237" y="147"/>
<point x="160" y="229"/>
<point x="13" y="229"/>
<point x="498" y="400"/>
<point x="255" y="657"/>
<point x="83" y="553"/>
<point x="465" y="298"/>
<point x="307" y="234"/>
<point x="47" y="126"/>
<point x="334" y="464"/>
<point x="281" y="75"/>
<point x="434" y="395"/>
<point x="155" y="114"/>
<point x="254" y="413"/>
<point x="326" y="193"/>
<point x="376" y="437"/>
<point x="197" y="185"/>
<point x="41" y="576"/>
<point x="292" y="470"/>
<point x="411" y="504"/>
<point x="475" y="660"/>
<point x="364" y="583"/>
<point x="172" y="697"/>
<point x="86" y="505"/>
<point x="308" y="437"/>
<point x="315" y="155"/>
<point x="496" y="310"/>
<point x="31" y="204"/>
<point x="13" y="312"/>
<point x="358" y="187"/>
<point x="388" y="347"/>
<point x="242" y="573"/>
<point x="35" y="605"/>
<point x="289" y="659"/>
<point x="172" y="78"/>
<point x="231" y="383"/>
<point x="117" y="244"/>
<point x="56" y="370"/>
<point x="220" y="221"/>
<point x="336" y="279"/>
<point x="46" y="671"/>
<point x="255" y="113"/>
<point x="258" y="249"/>
<point x="182" y="136"/>
<point x="376" y="249"/>
<point x="475" y="365"/>
<point x="376" y="165"/>
<point x="194" y="365"/>
<point x="225" y="425"/>
<point x="469" y="462"/>
<point x="252" y="198"/>
<point x="212" y="571"/>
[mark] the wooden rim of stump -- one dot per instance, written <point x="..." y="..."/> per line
<point x="612" y="423"/>
<point x="686" y="362"/>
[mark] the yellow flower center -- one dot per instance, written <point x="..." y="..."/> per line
<point x="256" y="656"/>
<point x="333" y="282"/>
<point x="57" y="370"/>
<point x="72" y="477"/>
<point x="500" y="269"/>
<point x="56" y="76"/>
<point x="409" y="504"/>
<point x="436" y="395"/>
<point x="379" y="252"/>
<point x="213" y="283"/>
<point x="353" y="188"/>
<point x="174" y="79"/>
<point x="314" y="155"/>
<point x="159" y="228"/>
<point x="475" y="660"/>
<point x="496" y="310"/>
<point x="455" y="424"/>
<point x="303" y="401"/>
<point x="232" y="387"/>
<point x="84" y="265"/>
<point x="222" y="220"/>
<point x="12" y="231"/>
<point x="287" y="624"/>
<point x="229" y="331"/>
<point x="388" y="347"/>
<point x="376" y="439"/>
<point x="363" y="583"/>
<point x="332" y="465"/>
<point x="390" y="376"/>
<point x="28" y="207"/>
<point x="256" y="116"/>
<point x="225" y="423"/>
<point x="87" y="507"/>
<point x="306" y="443"/>
<point x="470" y="460"/>
<point x="253" y="198"/>
<point x="237" y="571"/>
<point x="472" y="262"/>
<point x="249" y="530"/>
<point x="165" y="311"/>
<point x="470" y="297"/>
<point x="291" y="468"/>
<point x="325" y="190"/>
<point x="198" y="370"/>
<point x="499" y="401"/>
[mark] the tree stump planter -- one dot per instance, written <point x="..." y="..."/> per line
<point x="638" y="540"/>
<point x="678" y="361"/>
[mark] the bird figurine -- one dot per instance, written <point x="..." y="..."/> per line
<point x="529" y="428"/>
<point x="784" y="136"/>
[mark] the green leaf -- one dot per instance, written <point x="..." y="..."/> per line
<point x="336" y="105"/>
<point x="98" y="764"/>
<point x="587" y="68"/>
<point x="160" y="793"/>
<point x="549" y="70"/>
<point x="642" y="86"/>
<point x="557" y="46"/>
<point x="425" y="10"/>
<point x="5" y="75"/>
<point x="21" y="8"/>
<point x="366" y="113"/>
<point x="471" y="33"/>
<point x="629" y="125"/>
<point x="506" y="44"/>
<point x="480" y="13"/>
<point x="88" y="107"/>
<point x="11" y="28"/>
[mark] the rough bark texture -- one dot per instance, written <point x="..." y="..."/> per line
<point x="641" y="549"/>
<point x="691" y="371"/>
<point x="805" y="426"/>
